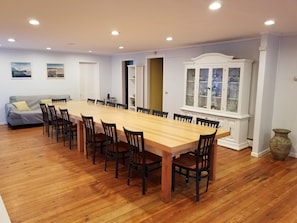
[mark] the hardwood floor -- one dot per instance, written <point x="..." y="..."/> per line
<point x="44" y="181"/>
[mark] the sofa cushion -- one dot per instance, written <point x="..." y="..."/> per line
<point x="21" y="106"/>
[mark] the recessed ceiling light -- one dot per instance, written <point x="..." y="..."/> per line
<point x="12" y="40"/>
<point x="34" y="22"/>
<point x="169" y="38"/>
<point x="48" y="48"/>
<point x="121" y="47"/>
<point x="269" y="22"/>
<point x="90" y="51"/>
<point x="115" y="33"/>
<point x="215" y="5"/>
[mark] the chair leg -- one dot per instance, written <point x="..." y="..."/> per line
<point x="173" y="178"/>
<point x="207" y="182"/>
<point x="94" y="154"/>
<point x="105" y="161"/>
<point x="123" y="158"/>
<point x="187" y="176"/>
<point x="197" y="186"/>
<point x="117" y="165"/>
<point x="48" y="130"/>
<point x="70" y="140"/>
<point x="129" y="173"/>
<point x="144" y="173"/>
<point x="57" y="133"/>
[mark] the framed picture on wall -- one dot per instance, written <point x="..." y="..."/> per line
<point x="20" y="70"/>
<point x="55" y="70"/>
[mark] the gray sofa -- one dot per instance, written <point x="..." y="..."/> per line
<point x="33" y="116"/>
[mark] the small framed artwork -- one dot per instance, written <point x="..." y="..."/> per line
<point x="20" y="70"/>
<point x="55" y="70"/>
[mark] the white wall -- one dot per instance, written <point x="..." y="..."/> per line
<point x="39" y="83"/>
<point x="285" y="104"/>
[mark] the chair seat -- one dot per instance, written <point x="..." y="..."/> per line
<point x="186" y="160"/>
<point x="99" y="137"/>
<point x="123" y="147"/>
<point x="151" y="158"/>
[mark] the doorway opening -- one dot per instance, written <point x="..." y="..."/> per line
<point x="155" y="80"/>
<point x="125" y="95"/>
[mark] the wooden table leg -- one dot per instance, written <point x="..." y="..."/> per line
<point x="80" y="137"/>
<point x="213" y="168"/>
<point x="166" y="177"/>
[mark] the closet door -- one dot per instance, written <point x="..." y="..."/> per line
<point x="89" y="80"/>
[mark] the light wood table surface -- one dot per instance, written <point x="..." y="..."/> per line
<point x="163" y="136"/>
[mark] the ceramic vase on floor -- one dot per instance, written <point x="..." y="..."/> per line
<point x="280" y="144"/>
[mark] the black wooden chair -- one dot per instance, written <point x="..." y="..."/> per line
<point x="160" y="113"/>
<point x="115" y="148"/>
<point x="111" y="104"/>
<point x="195" y="164"/>
<point x="182" y="118"/>
<point x="59" y="100"/>
<point x="46" y="119"/>
<point x="69" y="128"/>
<point x="207" y="122"/>
<point x="93" y="138"/>
<point x="91" y="100"/>
<point x="139" y="157"/>
<point x="100" y="102"/>
<point x="123" y="106"/>
<point x="57" y="122"/>
<point x="143" y="110"/>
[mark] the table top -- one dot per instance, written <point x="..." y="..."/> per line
<point x="167" y="134"/>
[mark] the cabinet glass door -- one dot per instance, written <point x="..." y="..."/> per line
<point x="190" y="87"/>
<point x="233" y="89"/>
<point x="203" y="88"/>
<point x="216" y="90"/>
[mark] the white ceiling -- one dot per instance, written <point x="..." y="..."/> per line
<point x="83" y="25"/>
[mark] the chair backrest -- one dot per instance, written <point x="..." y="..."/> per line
<point x="53" y="112"/>
<point x="160" y="113"/>
<point x="66" y="119"/>
<point x="65" y="114"/>
<point x="91" y="100"/>
<point x="110" y="131"/>
<point x="111" y="104"/>
<point x="204" y="150"/>
<point x="207" y="122"/>
<point x="123" y="106"/>
<point x="182" y="118"/>
<point x="59" y="100"/>
<point x="100" y="102"/>
<point x="143" y="110"/>
<point x="88" y="122"/>
<point x="45" y="115"/>
<point x="136" y="146"/>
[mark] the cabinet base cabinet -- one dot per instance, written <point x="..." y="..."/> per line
<point x="238" y="127"/>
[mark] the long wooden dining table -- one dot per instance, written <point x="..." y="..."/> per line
<point x="163" y="136"/>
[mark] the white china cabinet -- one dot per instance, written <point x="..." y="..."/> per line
<point x="217" y="87"/>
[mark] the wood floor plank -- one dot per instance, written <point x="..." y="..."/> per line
<point x="44" y="181"/>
